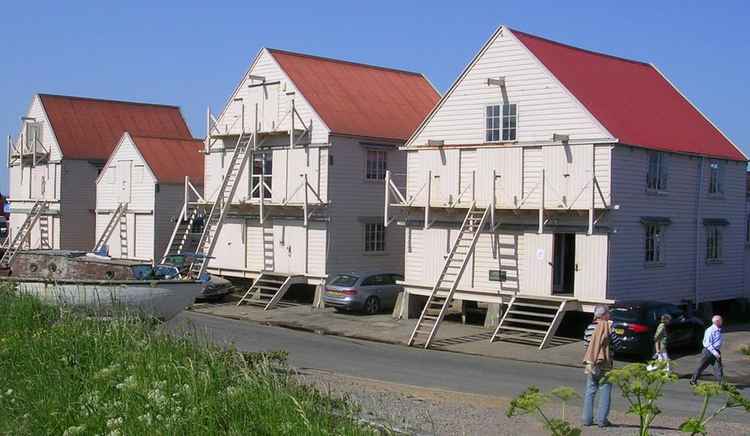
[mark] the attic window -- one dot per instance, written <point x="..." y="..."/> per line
<point x="501" y="121"/>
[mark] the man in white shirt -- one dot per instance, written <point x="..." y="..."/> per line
<point x="711" y="352"/>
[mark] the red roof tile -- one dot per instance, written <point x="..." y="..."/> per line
<point x="172" y="159"/>
<point x="88" y="128"/>
<point x="360" y="100"/>
<point x="632" y="100"/>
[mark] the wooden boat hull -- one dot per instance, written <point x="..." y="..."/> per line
<point x="162" y="299"/>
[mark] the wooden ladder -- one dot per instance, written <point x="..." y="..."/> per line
<point x="124" y="236"/>
<point x="269" y="288"/>
<point x="442" y="293"/>
<point x="215" y="219"/>
<point x="114" y="220"/>
<point x="268" y="247"/>
<point x="44" y="232"/>
<point x="23" y="233"/>
<point x="534" y="318"/>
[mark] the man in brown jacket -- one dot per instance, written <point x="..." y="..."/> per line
<point x="598" y="360"/>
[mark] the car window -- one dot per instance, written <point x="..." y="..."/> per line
<point x="389" y="279"/>
<point x="397" y="277"/>
<point x="344" y="280"/>
<point x="625" y="314"/>
<point x="373" y="280"/>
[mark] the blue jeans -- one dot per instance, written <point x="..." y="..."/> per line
<point x="594" y="384"/>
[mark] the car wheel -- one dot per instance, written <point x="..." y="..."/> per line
<point x="372" y="305"/>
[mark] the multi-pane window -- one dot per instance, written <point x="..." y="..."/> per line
<point x="501" y="122"/>
<point x="374" y="237"/>
<point x="654" y="243"/>
<point x="716" y="177"/>
<point x="713" y="242"/>
<point x="262" y="172"/>
<point x="376" y="165"/>
<point x="656" y="179"/>
<point x="33" y="135"/>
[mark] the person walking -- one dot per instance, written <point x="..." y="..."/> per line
<point x="711" y="354"/>
<point x="661" y="339"/>
<point x="598" y="361"/>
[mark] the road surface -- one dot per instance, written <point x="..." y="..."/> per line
<point x="410" y="366"/>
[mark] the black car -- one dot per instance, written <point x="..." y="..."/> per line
<point x="634" y="324"/>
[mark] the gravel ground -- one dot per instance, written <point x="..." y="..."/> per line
<point x="421" y="411"/>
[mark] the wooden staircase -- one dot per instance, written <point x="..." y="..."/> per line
<point x="37" y="210"/>
<point x="532" y="318"/>
<point x="215" y="218"/>
<point x="184" y="236"/>
<point x="442" y="293"/>
<point x="114" y="220"/>
<point x="269" y="288"/>
<point x="44" y="232"/>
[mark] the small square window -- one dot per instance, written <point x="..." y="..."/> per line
<point x="500" y="122"/>
<point x="716" y="177"/>
<point x="656" y="178"/>
<point x="376" y="165"/>
<point x="374" y="237"/>
<point x="262" y="177"/>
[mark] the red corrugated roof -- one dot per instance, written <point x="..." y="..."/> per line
<point x="172" y="159"/>
<point x="360" y="100"/>
<point x="88" y="128"/>
<point x="632" y="100"/>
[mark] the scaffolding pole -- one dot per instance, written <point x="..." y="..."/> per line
<point x="541" y="207"/>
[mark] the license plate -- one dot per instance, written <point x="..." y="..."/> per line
<point x="619" y="331"/>
<point x="335" y="294"/>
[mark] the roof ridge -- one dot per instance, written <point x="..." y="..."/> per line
<point x="343" y="61"/>
<point x="174" y="138"/>
<point x="105" y="100"/>
<point x="585" y="50"/>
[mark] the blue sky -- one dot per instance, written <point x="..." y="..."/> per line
<point x="192" y="54"/>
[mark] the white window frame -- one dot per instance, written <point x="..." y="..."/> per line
<point x="265" y="159"/>
<point x="501" y="122"/>
<point x="654" y="243"/>
<point x="716" y="170"/>
<point x="714" y="243"/>
<point x="376" y="167"/>
<point x="657" y="172"/>
<point x="374" y="238"/>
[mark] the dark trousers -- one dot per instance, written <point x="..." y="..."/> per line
<point x="708" y="359"/>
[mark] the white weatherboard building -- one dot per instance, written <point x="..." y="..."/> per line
<point x="550" y="178"/>
<point x="140" y="192"/>
<point x="55" y="160"/>
<point x="294" y="171"/>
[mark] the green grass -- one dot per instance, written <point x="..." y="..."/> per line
<point x="63" y="374"/>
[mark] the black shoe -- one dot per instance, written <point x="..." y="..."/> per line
<point x="693" y="383"/>
<point x="605" y="424"/>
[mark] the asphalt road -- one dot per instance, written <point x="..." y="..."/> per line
<point x="400" y="364"/>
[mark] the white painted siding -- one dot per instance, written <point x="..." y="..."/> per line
<point x="274" y="104"/>
<point x="356" y="201"/>
<point x="230" y="250"/>
<point x="674" y="280"/>
<point x="513" y="173"/>
<point x="78" y="201"/>
<point x="544" y="106"/>
<point x="590" y="282"/>
<point x="169" y="201"/>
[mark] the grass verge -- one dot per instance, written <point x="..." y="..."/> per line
<point x="64" y="374"/>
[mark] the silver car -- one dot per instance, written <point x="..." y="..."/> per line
<point x="366" y="292"/>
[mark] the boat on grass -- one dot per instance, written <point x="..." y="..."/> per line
<point x="100" y="283"/>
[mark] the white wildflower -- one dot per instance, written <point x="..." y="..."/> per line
<point x="127" y="384"/>
<point x="114" y="432"/>
<point x="114" y="422"/>
<point x="157" y="397"/>
<point x="9" y="392"/>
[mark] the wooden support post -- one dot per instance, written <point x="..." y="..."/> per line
<point x="493" y="204"/>
<point x="429" y="199"/>
<point x="242" y="121"/>
<point x="187" y="194"/>
<point x="541" y="207"/>
<point x="593" y="204"/>
<point x="387" y="197"/>
<point x="9" y="154"/>
<point x="304" y="187"/>
<point x="473" y="185"/>
<point x="291" y="128"/>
